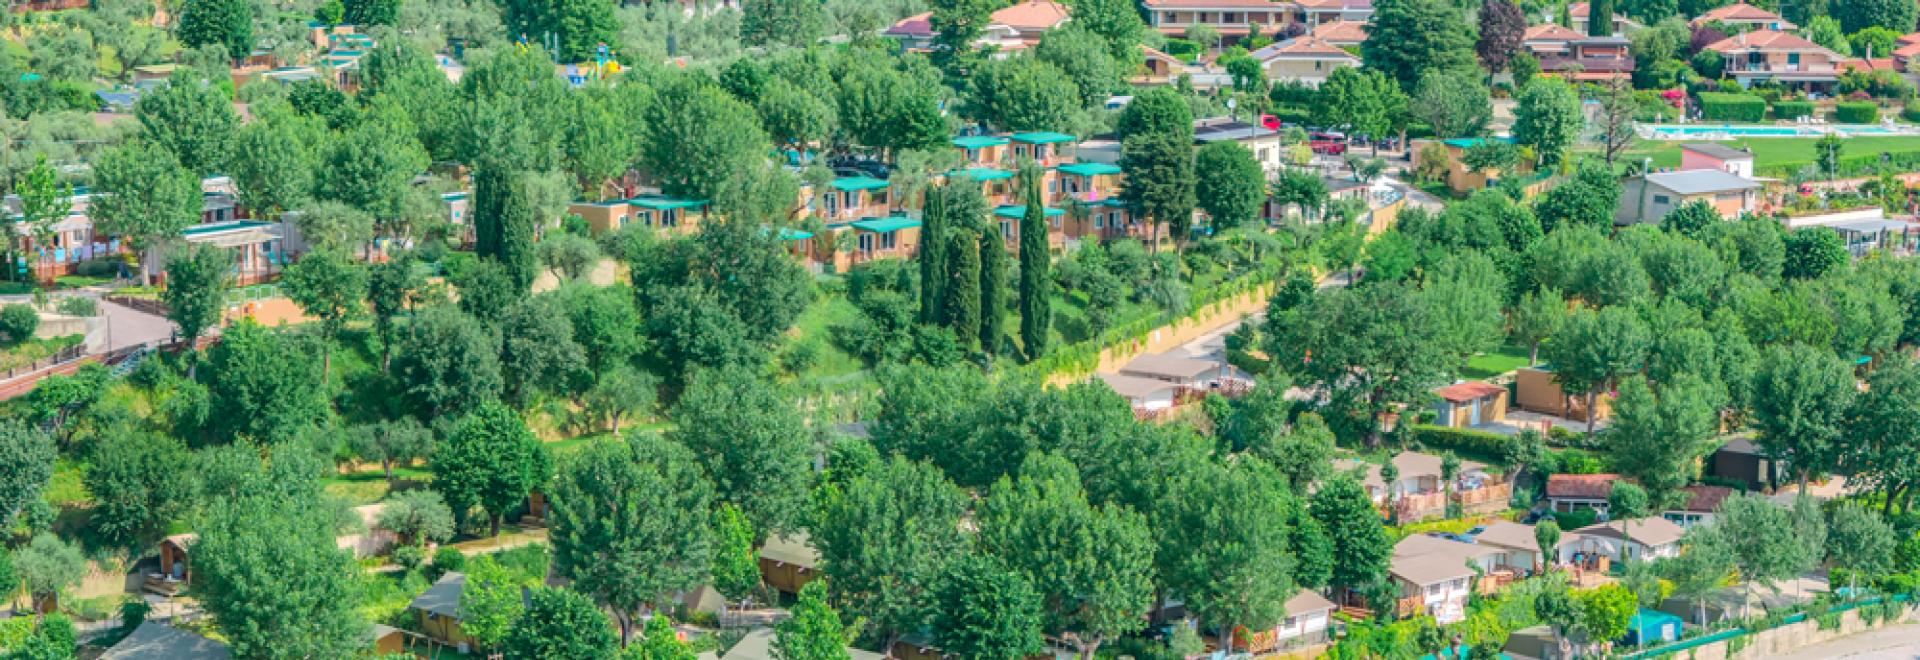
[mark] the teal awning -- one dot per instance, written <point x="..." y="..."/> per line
<point x="1017" y="211"/>
<point x="1089" y="169"/>
<point x="794" y="234"/>
<point x="859" y="183"/>
<point x="1110" y="202"/>
<point x="659" y="203"/>
<point x="885" y="225"/>
<point x="1042" y="137"/>
<point x="978" y="141"/>
<point x="982" y="173"/>
<point x="1469" y="143"/>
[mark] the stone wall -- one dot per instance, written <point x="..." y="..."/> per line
<point x="1207" y="319"/>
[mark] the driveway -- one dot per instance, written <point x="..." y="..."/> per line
<point x="127" y="327"/>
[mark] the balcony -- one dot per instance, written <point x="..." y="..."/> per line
<point x="1737" y="66"/>
<point x="1559" y="63"/>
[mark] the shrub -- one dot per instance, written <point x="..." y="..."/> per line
<point x="448" y="559"/>
<point x="409" y="556"/>
<point x="1483" y="444"/>
<point x="1792" y="109"/>
<point x="78" y="306"/>
<point x="1911" y="112"/>
<point x="1863" y="112"/>
<point x="101" y="267"/>
<point x="1182" y="48"/>
<point x="1722" y="106"/>
<point x="18" y="321"/>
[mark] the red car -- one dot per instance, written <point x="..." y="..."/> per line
<point x="1328" y="147"/>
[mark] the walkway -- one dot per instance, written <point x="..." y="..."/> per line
<point x="129" y="327"/>
<point x="1892" y="642"/>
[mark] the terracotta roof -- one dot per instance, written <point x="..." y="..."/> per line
<point x="1909" y="38"/>
<point x="1468" y="391"/>
<point x="1581" y="486"/>
<point x="1907" y="50"/>
<point x="1208" y="4"/>
<point x="1032" y="15"/>
<point x="1336" y="4"/>
<point x="1764" y="40"/>
<point x="1153" y="54"/>
<point x="1551" y="32"/>
<point x="1305" y="47"/>
<point x="1862" y="64"/>
<point x="1341" y="32"/>
<point x="1737" y="12"/>
<point x="1705" y="499"/>
<point x="1651" y="532"/>
<point x="917" y="25"/>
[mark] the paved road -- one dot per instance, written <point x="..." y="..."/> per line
<point x="1901" y="642"/>
<point x="127" y="327"/>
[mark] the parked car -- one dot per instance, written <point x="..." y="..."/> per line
<point x="1328" y="147"/>
<point x="860" y="167"/>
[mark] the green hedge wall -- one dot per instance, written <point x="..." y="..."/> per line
<point x="1858" y="112"/>
<point x="1479" y="444"/>
<point x="1792" y="109"/>
<point x="1719" y="106"/>
<point x="1850" y="165"/>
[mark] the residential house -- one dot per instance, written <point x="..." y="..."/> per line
<point x="1576" y="56"/>
<point x="1148" y="396"/>
<point x="1007" y="218"/>
<point x="1741" y="14"/>
<point x="154" y="640"/>
<point x="1650" y="197"/>
<point x="1784" y="58"/>
<point x="1578" y="13"/>
<point x="1013" y="28"/>
<point x="1710" y="156"/>
<point x="1519" y="551"/>
<point x="1567" y="493"/>
<point x="788" y="562"/>
<point x="1461" y="177"/>
<point x="983" y="151"/>
<point x="601" y="217"/>
<point x="1047" y="148"/>
<point x="848" y="198"/>
<point x="1185" y="372"/>
<point x="1315" y="13"/>
<point x="1267" y="145"/>
<point x="254" y="246"/>
<point x="1621" y="541"/>
<point x="1470" y="403"/>
<point x="997" y="184"/>
<point x="1700" y="505"/>
<point x="439" y="611"/>
<point x="1235" y="20"/>
<point x="1160" y="68"/>
<point x="1306" y="623"/>
<point x="1304" y="59"/>
<point x="1342" y="33"/>
<point x="457" y="204"/>
<point x="1420" y="491"/>
<point x="1436" y="575"/>
<point x="1537" y="389"/>
<point x="1904" y="51"/>
<point x="668" y="214"/>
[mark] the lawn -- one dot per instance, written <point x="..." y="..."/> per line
<point x="1773" y="151"/>
<point x="1502" y="360"/>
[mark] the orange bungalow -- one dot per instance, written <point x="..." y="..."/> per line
<point x="982" y="150"/>
<point x="680" y="216"/>
<point x="851" y="198"/>
<point x="1044" y="147"/>
<point x="1010" y="215"/>
<point x="997" y="184"/>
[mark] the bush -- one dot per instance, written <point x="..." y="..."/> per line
<point x="448" y="559"/>
<point x="409" y="556"/>
<point x="78" y="306"/>
<point x="1721" y="106"/>
<point x="18" y="321"/>
<point x="1792" y="109"/>
<point x="1182" y="48"/>
<point x="1911" y="112"/>
<point x="1572" y="520"/>
<point x="1856" y="113"/>
<point x="1479" y="444"/>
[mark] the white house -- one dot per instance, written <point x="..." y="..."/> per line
<point x="1175" y="369"/>
<point x="1306" y="59"/>
<point x="1146" y="394"/>
<point x="1518" y="550"/>
<point x="1623" y="540"/>
<point x="1436" y="575"/>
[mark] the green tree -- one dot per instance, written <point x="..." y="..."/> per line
<point x="1857" y="15"/>
<point x="1345" y="510"/>
<point x="814" y="632"/>
<point x="491" y="602"/>
<point x="147" y="197"/>
<point x="560" y="625"/>
<point x="1036" y="281"/>
<point x="956" y="25"/>
<point x="1093" y="567"/>
<point x="884" y="538"/>
<point x="192" y="119"/>
<point x="391" y="288"/>
<point x="1700" y="571"/>
<point x="1860" y="542"/>
<point x="960" y="304"/>
<point x="274" y="163"/>
<point x="1115" y="21"/>
<point x="43" y="202"/>
<point x="1548" y="118"/>
<point x="490" y="461"/>
<point x="267" y="569"/>
<point x="1022" y="93"/>
<point x="1160" y="182"/>
<point x="1232" y="188"/>
<point x="1370" y="347"/>
<point x="1590" y="199"/>
<point x="1594" y="350"/>
<point x="1800" y="399"/>
<point x="140" y="483"/>
<point x="1607" y="610"/>
<point x="1456" y="103"/>
<point x="1691" y="219"/>
<point x="447" y="363"/>
<point x="792" y="23"/>
<point x="632" y="524"/>
<point x="1883" y="433"/>
<point x="736" y="564"/>
<point x="986" y="610"/>
<point x="49" y="566"/>
<point x="371" y="165"/>
<point x="698" y="139"/>
<point x="1761" y="536"/>
<point x="369" y="13"/>
<point x="1407" y="39"/>
<point x="263" y="386"/>
<point x="1536" y="317"/>
<point x="1229" y="559"/>
<point x="328" y="286"/>
<point x="660" y="641"/>
<point x="1656" y="438"/>
<point x="26" y="463"/>
<point x="1083" y="57"/>
<point x="537" y="351"/>
<point x="1812" y="252"/>
<point x="993" y="289"/>
<point x="1546" y="536"/>
<point x="228" y="23"/>
<point x="418" y="516"/>
<point x="1462" y="299"/>
<point x="752" y="441"/>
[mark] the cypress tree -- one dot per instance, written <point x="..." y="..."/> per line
<point x="933" y="223"/>
<point x="503" y="222"/>
<point x="961" y="303"/>
<point x="993" y="287"/>
<point x="1600" y="18"/>
<point x="1036" y="308"/>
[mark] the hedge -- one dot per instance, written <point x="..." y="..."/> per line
<point x="1850" y="166"/>
<point x="1911" y="112"/>
<point x="1792" y="109"/>
<point x="1857" y="112"/>
<point x="1481" y="444"/>
<point x="1719" y="106"/>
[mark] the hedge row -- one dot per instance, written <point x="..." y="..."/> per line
<point x="1720" y="106"/>
<point x="1859" y="112"/>
<point x="1792" y="109"/>
<point x="1481" y="444"/>
<point x="1854" y="165"/>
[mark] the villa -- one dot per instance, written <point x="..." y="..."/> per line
<point x="1576" y="56"/>
<point x="1741" y="14"/>
<point x="1649" y="198"/>
<point x="1011" y="29"/>
<point x="1767" y="55"/>
<point x="1306" y="60"/>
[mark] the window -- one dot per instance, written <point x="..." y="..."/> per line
<point x="1073" y="184"/>
<point x="1006" y="229"/>
<point x="973" y="155"/>
<point x="1433" y="589"/>
<point x="866" y="242"/>
<point x="646" y="218"/>
<point x="1229" y="17"/>
<point x="833" y="204"/>
<point x="1056" y="222"/>
<point x="1318" y="65"/>
<point x="853" y="199"/>
<point x="1662" y="199"/>
<point x="1099" y="221"/>
<point x="670" y="218"/>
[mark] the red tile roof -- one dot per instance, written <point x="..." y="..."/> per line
<point x="1207" y="4"/>
<point x="1581" y="486"/>
<point x="1468" y="391"/>
<point x="1304" y="46"/>
<point x="1741" y="11"/>
<point x="1908" y="50"/>
<point x="1341" y="32"/>
<point x="1875" y="64"/>
<point x="1764" y="40"/>
<point x="1551" y="32"/>
<point x="1032" y="15"/>
<point x="1705" y="499"/>
<point x="917" y="25"/>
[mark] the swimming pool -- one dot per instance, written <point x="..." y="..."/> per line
<point x="1729" y="131"/>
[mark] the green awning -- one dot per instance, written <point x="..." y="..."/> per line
<point x="982" y="173"/>
<point x="859" y="183"/>
<point x="885" y="225"/>
<point x="1018" y="211"/>
<point x="794" y="234"/>
<point x="1110" y="202"/>
<point x="1469" y="143"/>
<point x="1089" y="169"/>
<point x="978" y="141"/>
<point x="1042" y="137"/>
<point x="659" y="203"/>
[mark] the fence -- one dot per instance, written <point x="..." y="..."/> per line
<point x="1777" y="643"/>
<point x="65" y="355"/>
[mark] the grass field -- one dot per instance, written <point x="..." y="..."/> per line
<point x="1770" y="151"/>
<point x="1501" y="360"/>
